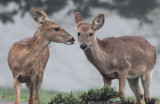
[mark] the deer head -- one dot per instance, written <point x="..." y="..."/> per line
<point x="49" y="29"/>
<point x="86" y="31"/>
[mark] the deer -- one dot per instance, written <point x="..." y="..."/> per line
<point x="27" y="58"/>
<point x="124" y="58"/>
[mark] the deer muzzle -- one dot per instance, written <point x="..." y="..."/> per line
<point x="83" y="46"/>
<point x="71" y="41"/>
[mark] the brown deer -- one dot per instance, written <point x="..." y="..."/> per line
<point x="128" y="57"/>
<point x="27" y="58"/>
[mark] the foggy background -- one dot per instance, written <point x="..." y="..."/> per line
<point x="68" y="69"/>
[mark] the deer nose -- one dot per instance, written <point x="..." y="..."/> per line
<point x="72" y="39"/>
<point x="83" y="45"/>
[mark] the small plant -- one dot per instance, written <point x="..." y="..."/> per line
<point x="108" y="93"/>
<point x="104" y="94"/>
<point x="153" y="101"/>
<point x="91" y="97"/>
<point x="70" y="99"/>
<point x="59" y="99"/>
<point x="128" y="101"/>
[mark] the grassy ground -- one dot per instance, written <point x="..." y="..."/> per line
<point x="7" y="94"/>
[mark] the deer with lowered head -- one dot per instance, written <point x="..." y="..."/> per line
<point x="123" y="58"/>
<point x="27" y="58"/>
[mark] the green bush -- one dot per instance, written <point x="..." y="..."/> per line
<point x="153" y="101"/>
<point x="58" y="99"/>
<point x="129" y="101"/>
<point x="104" y="94"/>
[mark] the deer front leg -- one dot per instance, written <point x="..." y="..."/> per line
<point x="39" y="80"/>
<point x="17" y="89"/>
<point x="32" y="90"/>
<point x="122" y="82"/>
<point x="107" y="82"/>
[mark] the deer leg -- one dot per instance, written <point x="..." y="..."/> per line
<point x="17" y="89"/>
<point x="145" y="78"/>
<point x="27" y="84"/>
<point x="32" y="90"/>
<point x="134" y="85"/>
<point x="122" y="82"/>
<point x="39" y="80"/>
<point x="107" y="82"/>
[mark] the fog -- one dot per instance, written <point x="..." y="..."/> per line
<point x="68" y="69"/>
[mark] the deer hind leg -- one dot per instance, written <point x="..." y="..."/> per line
<point x="145" y="78"/>
<point x="32" y="90"/>
<point x="39" y="80"/>
<point x="17" y="89"/>
<point x="134" y="85"/>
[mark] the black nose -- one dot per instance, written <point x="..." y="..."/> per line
<point x="72" y="39"/>
<point x="83" y="45"/>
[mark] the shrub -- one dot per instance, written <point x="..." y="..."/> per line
<point x="153" y="101"/>
<point x="94" y="96"/>
<point x="59" y="99"/>
<point x="104" y="94"/>
<point x="128" y="101"/>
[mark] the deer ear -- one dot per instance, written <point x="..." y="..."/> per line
<point x="39" y="16"/>
<point x="98" y="22"/>
<point x="78" y="18"/>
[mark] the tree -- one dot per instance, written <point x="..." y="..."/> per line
<point x="138" y="9"/>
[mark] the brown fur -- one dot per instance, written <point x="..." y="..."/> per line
<point x="128" y="57"/>
<point x="27" y="58"/>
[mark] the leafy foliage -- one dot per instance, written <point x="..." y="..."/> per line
<point x="104" y="94"/>
<point x="97" y="95"/>
<point x="138" y="9"/>
<point x="58" y="99"/>
<point x="128" y="101"/>
<point x="153" y="101"/>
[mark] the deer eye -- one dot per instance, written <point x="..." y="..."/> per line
<point x="90" y="34"/>
<point x="56" y="29"/>
<point x="78" y="34"/>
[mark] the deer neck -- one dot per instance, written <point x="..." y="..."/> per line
<point x="39" y="47"/>
<point x="95" y="53"/>
<point x="35" y="53"/>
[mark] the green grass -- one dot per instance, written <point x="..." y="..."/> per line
<point x="7" y="94"/>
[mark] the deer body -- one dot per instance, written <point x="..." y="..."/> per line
<point x="27" y="58"/>
<point x="112" y="55"/>
<point x="128" y="57"/>
<point x="34" y="55"/>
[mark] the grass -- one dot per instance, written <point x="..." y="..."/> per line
<point x="7" y="94"/>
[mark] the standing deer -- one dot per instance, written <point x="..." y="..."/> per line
<point x="27" y="58"/>
<point x="128" y="57"/>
